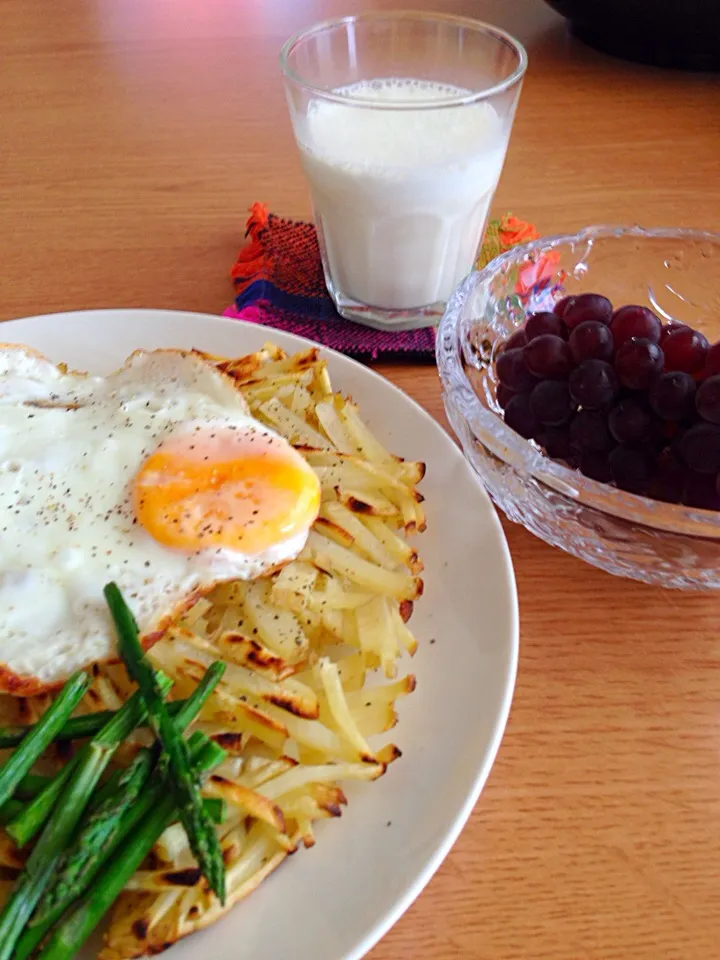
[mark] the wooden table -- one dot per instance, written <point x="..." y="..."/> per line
<point x="133" y="136"/>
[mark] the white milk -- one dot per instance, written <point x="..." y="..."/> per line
<point x="401" y="196"/>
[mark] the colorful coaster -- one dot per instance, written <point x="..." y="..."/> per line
<point x="279" y="283"/>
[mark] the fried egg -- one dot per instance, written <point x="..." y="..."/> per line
<point x="156" y="477"/>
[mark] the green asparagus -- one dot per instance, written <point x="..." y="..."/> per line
<point x="31" y="785"/>
<point x="76" y="728"/>
<point x="9" y="810"/>
<point x="28" y="788"/>
<point x="216" y="809"/>
<point x="27" y="824"/>
<point x="66" y="815"/>
<point x="69" y="936"/>
<point x="42" y="735"/>
<point x="101" y="827"/>
<point x="201" y="833"/>
<point x="185" y="713"/>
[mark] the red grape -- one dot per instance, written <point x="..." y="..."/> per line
<point x="540" y="323"/>
<point x="556" y="442"/>
<point x="516" y="340"/>
<point x="672" y="395"/>
<point x="669" y="328"/>
<point x="638" y="362"/>
<point x="685" y="350"/>
<point x="618" y="395"/>
<point x="630" y="421"/>
<point x="589" y="432"/>
<point x="520" y="417"/>
<point x="668" y="482"/>
<point x="707" y="399"/>
<point x="550" y="402"/>
<point x="631" y="467"/>
<point x="634" y="321"/>
<point x="700" y="448"/>
<point x="562" y="305"/>
<point x="591" y="340"/>
<point x="712" y="361"/>
<point x="548" y="356"/>
<point x="511" y="371"/>
<point x="701" y="491"/>
<point x="504" y="395"/>
<point x="587" y="306"/>
<point x="596" y="466"/>
<point x="593" y="384"/>
<point x="675" y="445"/>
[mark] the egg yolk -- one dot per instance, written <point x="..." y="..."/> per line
<point x="225" y="487"/>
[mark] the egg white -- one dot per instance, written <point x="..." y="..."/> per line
<point x="70" y="445"/>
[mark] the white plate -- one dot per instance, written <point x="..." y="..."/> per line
<point x="336" y="901"/>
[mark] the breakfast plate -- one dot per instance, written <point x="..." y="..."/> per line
<point x="339" y="898"/>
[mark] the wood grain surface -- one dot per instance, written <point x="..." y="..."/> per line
<point x="133" y="136"/>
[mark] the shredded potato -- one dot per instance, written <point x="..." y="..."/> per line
<point x="303" y="695"/>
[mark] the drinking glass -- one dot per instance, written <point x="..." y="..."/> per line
<point x="402" y="121"/>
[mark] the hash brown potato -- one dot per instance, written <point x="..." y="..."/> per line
<point x="315" y="658"/>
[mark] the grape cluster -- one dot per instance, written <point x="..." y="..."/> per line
<point x="618" y="395"/>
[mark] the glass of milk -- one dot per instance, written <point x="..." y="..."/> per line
<point x="402" y="120"/>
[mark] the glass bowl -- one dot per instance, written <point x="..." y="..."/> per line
<point x="674" y="272"/>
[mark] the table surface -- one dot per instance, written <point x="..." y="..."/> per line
<point x="134" y="134"/>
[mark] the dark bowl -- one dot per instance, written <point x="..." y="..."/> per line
<point x="683" y="34"/>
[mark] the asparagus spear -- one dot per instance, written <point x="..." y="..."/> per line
<point x="201" y="833"/>
<point x="25" y="826"/>
<point x="91" y="844"/>
<point x="202" y="759"/>
<point x="215" y="808"/>
<point x="76" y="728"/>
<point x="28" y="788"/>
<point x="66" y="815"/>
<point x="43" y="733"/>
<point x="69" y="936"/>
<point x="184" y="713"/>
<point x="9" y="810"/>
<point x="34" y="814"/>
<point x="31" y="785"/>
